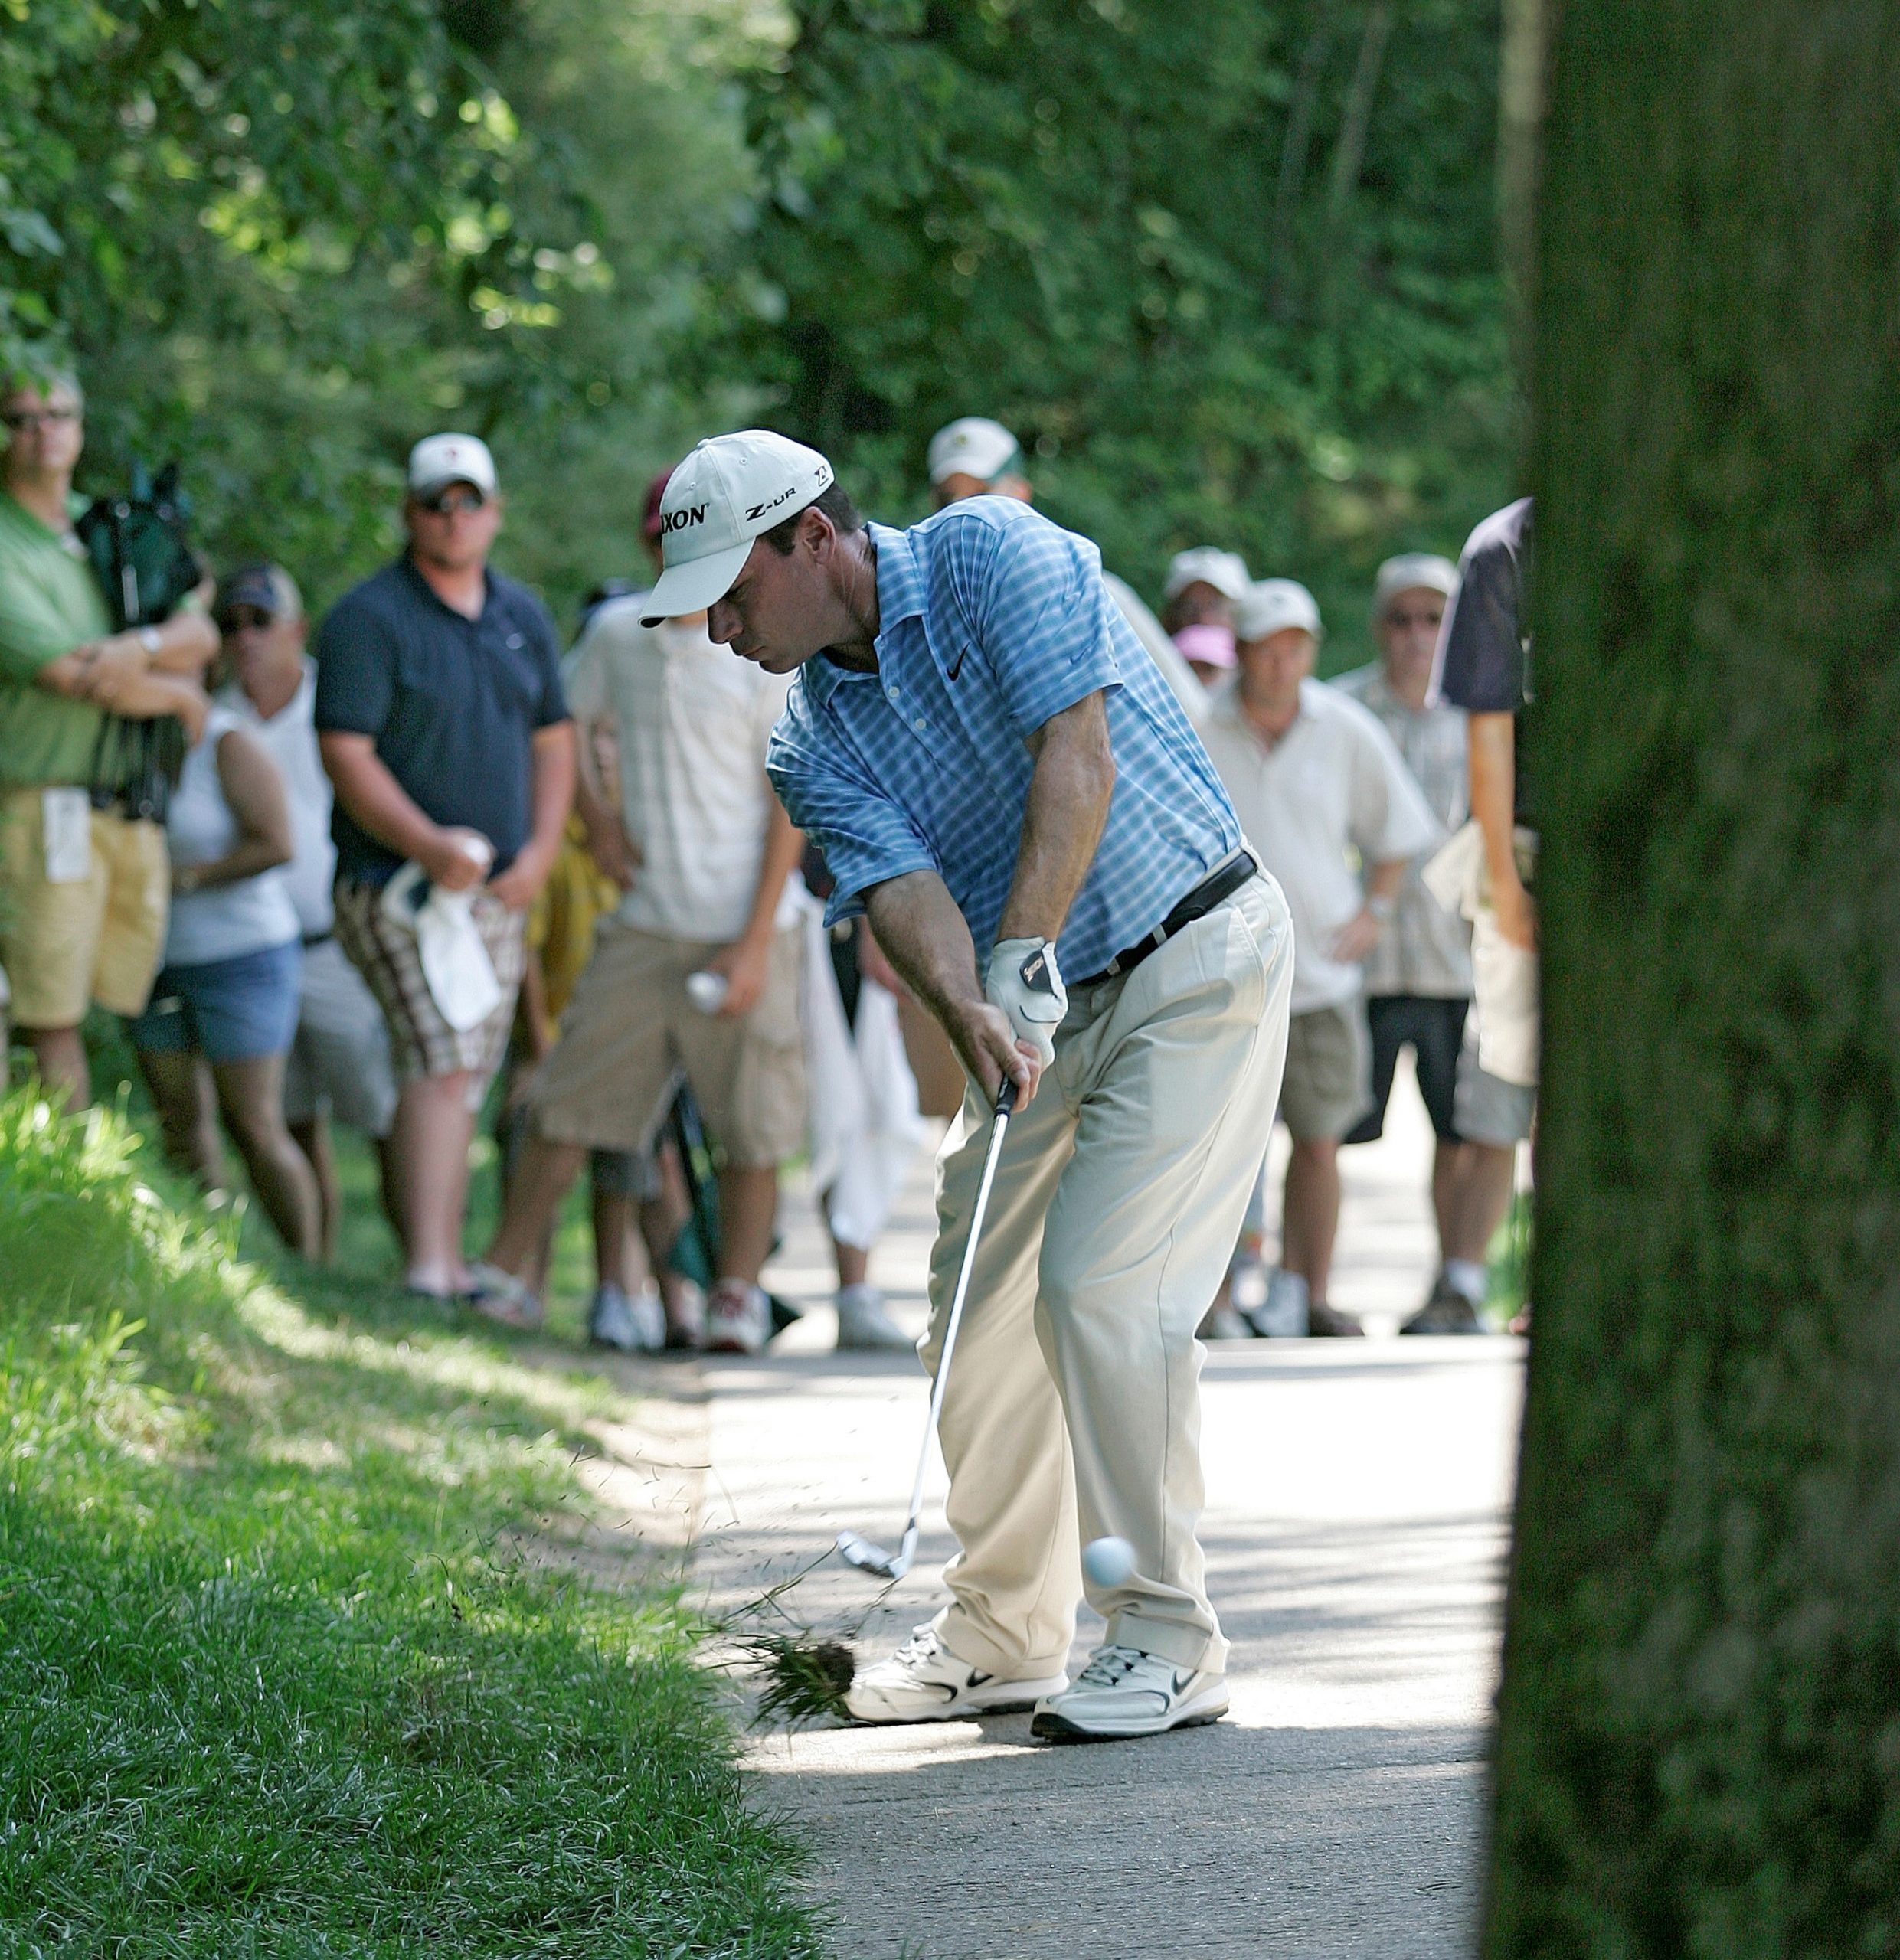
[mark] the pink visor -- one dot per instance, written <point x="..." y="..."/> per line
<point x="1212" y="646"/>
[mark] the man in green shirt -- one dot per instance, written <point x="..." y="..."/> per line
<point x="84" y="891"/>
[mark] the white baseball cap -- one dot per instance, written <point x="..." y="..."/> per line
<point x="1226" y="571"/>
<point x="730" y="491"/>
<point x="1412" y="571"/>
<point x="973" y="446"/>
<point x="1272" y="606"/>
<point x="439" y="460"/>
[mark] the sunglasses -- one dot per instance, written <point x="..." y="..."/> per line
<point x="240" y="616"/>
<point x="458" y="497"/>
<point x="20" y="419"/>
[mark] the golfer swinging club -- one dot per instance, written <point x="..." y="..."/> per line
<point x="1000" y="778"/>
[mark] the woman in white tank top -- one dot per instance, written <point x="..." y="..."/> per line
<point x="224" y="1006"/>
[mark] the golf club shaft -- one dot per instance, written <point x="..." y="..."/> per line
<point x="999" y="1128"/>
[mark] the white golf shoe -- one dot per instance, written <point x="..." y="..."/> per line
<point x="635" y="1325"/>
<point x="738" y="1318"/>
<point x="923" y="1681"/>
<point x="1124" y="1692"/>
<point x="864" y="1322"/>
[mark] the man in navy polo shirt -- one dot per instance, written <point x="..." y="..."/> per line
<point x="442" y="722"/>
<point x="999" y="777"/>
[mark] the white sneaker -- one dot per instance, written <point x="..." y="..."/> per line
<point x="738" y="1318"/>
<point x="1284" y="1311"/>
<point x="865" y="1321"/>
<point x="636" y="1326"/>
<point x="1223" y="1323"/>
<point x="923" y="1681"/>
<point x="1124" y="1692"/>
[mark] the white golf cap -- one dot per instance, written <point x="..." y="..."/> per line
<point x="1412" y="571"/>
<point x="437" y="460"/>
<point x="1226" y="571"/>
<point x="1274" y="605"/>
<point x="730" y="490"/>
<point x="973" y="446"/>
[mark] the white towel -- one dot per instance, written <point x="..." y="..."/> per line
<point x="455" y="962"/>
<point x="864" y="1125"/>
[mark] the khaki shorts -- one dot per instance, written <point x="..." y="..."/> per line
<point x="630" y="1027"/>
<point x="1487" y="1108"/>
<point x="98" y="939"/>
<point x="421" y="1043"/>
<point x="1328" y="1085"/>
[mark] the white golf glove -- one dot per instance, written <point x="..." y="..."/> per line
<point x="1024" y="981"/>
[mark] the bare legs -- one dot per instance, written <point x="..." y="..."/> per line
<point x="748" y="1210"/>
<point x="748" y="1207"/>
<point x="182" y="1094"/>
<point x="313" y="1139"/>
<point x="1310" y="1215"/>
<point x="1471" y="1193"/>
<point x="250" y="1096"/>
<point x="433" y="1128"/>
<point x="59" y="1056"/>
<point x="854" y="1262"/>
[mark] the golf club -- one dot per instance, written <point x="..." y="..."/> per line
<point x="859" y="1551"/>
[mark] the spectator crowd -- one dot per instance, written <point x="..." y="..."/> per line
<point x="418" y="864"/>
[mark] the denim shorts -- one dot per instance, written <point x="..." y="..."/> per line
<point x="228" y="1009"/>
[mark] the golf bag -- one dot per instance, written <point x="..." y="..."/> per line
<point x="144" y="566"/>
<point x="695" y="1251"/>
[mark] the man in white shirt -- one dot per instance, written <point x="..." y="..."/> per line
<point x="703" y="854"/>
<point x="976" y="457"/>
<point x="339" y="1064"/>
<point x="1418" y="978"/>
<point x="1314" y="777"/>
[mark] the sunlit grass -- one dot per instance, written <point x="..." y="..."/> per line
<point x="269" y="1687"/>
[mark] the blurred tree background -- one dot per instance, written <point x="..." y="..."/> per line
<point x="1233" y="279"/>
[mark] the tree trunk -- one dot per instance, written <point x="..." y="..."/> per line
<point x="1523" y="56"/>
<point x="1348" y="157"/>
<point x="1699" y="1751"/>
<point x="1294" y="151"/>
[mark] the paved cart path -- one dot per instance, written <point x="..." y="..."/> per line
<point x="1356" y="1529"/>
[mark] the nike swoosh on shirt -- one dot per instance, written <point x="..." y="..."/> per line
<point x="956" y="665"/>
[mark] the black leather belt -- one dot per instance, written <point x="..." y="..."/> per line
<point x="1222" y="883"/>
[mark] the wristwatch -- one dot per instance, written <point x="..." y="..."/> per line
<point x="148" y="639"/>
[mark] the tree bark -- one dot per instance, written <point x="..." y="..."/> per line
<point x="1294" y="149"/>
<point x="1348" y="156"/>
<point x="1699" y="1748"/>
<point x="1523" y="58"/>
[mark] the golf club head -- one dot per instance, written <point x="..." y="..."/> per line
<point x="873" y="1558"/>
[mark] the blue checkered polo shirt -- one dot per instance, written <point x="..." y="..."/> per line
<point x="993" y="620"/>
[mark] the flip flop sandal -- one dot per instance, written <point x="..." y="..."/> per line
<point x="500" y="1297"/>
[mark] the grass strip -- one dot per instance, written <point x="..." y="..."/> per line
<point x="266" y="1686"/>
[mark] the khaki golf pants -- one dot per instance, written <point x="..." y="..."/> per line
<point x="1073" y="1410"/>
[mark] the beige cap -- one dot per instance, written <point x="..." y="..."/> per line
<point x="1272" y="606"/>
<point x="973" y="446"/>
<point x="1226" y="571"/>
<point x="1412" y="571"/>
<point x="437" y="461"/>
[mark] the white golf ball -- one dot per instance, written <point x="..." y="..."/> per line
<point x="1108" y="1561"/>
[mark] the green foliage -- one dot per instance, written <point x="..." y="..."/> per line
<point x="1233" y="279"/>
<point x="1102" y="224"/>
<point x="282" y="242"/>
<point x="1698" y="1754"/>
<point x="269" y="1689"/>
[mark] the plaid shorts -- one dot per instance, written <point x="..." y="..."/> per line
<point x="421" y="1042"/>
